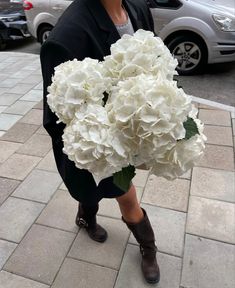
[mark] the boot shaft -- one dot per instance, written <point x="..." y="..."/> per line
<point x="87" y="214"/>
<point x="142" y="231"/>
<point x="144" y="235"/>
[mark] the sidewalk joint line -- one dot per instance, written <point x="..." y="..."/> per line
<point x="91" y="263"/>
<point x="212" y="239"/>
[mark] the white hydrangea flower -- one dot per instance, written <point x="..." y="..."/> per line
<point x="75" y="83"/>
<point x="176" y="161"/>
<point x="141" y="53"/>
<point x="143" y="106"/>
<point x="142" y="121"/>
<point x="91" y="142"/>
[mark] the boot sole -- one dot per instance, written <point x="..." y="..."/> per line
<point x="154" y="281"/>
<point x="102" y="240"/>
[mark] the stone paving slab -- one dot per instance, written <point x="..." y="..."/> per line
<point x="140" y="178"/>
<point x="208" y="264"/>
<point x="218" y="135"/>
<point x="79" y="274"/>
<point x="17" y="215"/>
<point x="20" y="132"/>
<point x="7" y="149"/>
<point x="40" y="254"/>
<point x="9" y="82"/>
<point x="8" y="99"/>
<point x="108" y="254"/>
<point x="9" y="280"/>
<point x="18" y="166"/>
<point x="33" y="117"/>
<point x="2" y="108"/>
<point x="109" y="208"/>
<point x="48" y="162"/>
<point x="20" y="107"/>
<point x="8" y="120"/>
<point x="219" y="157"/>
<point x="39" y="86"/>
<point x="42" y="131"/>
<point x="21" y="88"/>
<point x="167" y="194"/>
<point x="7" y="186"/>
<point x="3" y="90"/>
<point x="211" y="219"/>
<point x="37" y="145"/>
<point x="6" y="249"/>
<point x="215" y="117"/>
<point x="33" y="188"/>
<point x="60" y="212"/>
<point x="213" y="184"/>
<point x="33" y="95"/>
<point x="32" y="79"/>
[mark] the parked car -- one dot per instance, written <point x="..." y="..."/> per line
<point x="13" y="25"/>
<point x="17" y="1"/>
<point x="197" y="32"/>
<point x="42" y="16"/>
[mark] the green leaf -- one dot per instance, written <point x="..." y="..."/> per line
<point x="191" y="128"/>
<point x="122" y="179"/>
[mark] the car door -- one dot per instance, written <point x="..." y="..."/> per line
<point x="164" y="11"/>
<point x="57" y="7"/>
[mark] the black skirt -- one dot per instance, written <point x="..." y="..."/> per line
<point x="80" y="183"/>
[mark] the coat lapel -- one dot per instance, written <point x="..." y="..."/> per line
<point x="105" y="23"/>
<point x="109" y="32"/>
<point x="136" y="22"/>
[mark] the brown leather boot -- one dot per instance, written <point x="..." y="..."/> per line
<point x="144" y="235"/>
<point x="86" y="218"/>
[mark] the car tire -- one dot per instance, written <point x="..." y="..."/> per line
<point x="191" y="53"/>
<point x="3" y="44"/>
<point x="43" y="33"/>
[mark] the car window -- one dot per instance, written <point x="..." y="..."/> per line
<point x="6" y="7"/>
<point x="170" y="4"/>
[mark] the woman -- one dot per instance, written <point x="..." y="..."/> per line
<point x="87" y="29"/>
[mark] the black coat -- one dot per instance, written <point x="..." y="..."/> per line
<point x="84" y="30"/>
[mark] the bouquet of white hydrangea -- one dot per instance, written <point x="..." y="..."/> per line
<point x="127" y="111"/>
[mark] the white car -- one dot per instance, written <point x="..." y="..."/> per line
<point x="42" y="16"/>
<point x="196" y="31"/>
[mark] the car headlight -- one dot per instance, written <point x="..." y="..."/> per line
<point x="224" y="22"/>
<point x="9" y="18"/>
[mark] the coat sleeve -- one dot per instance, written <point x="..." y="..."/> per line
<point x="52" y="54"/>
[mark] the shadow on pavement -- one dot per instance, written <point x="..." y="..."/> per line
<point x="28" y="45"/>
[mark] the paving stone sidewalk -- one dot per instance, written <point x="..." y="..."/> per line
<point x="40" y="246"/>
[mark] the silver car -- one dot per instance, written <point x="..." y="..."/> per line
<point x="42" y="16"/>
<point x="196" y="31"/>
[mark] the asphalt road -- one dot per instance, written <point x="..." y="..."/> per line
<point x="217" y="83"/>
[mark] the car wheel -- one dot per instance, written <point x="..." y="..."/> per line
<point x="3" y="44"/>
<point x="43" y="33"/>
<point x="190" y="52"/>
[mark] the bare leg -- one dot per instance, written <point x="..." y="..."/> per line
<point x="130" y="207"/>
